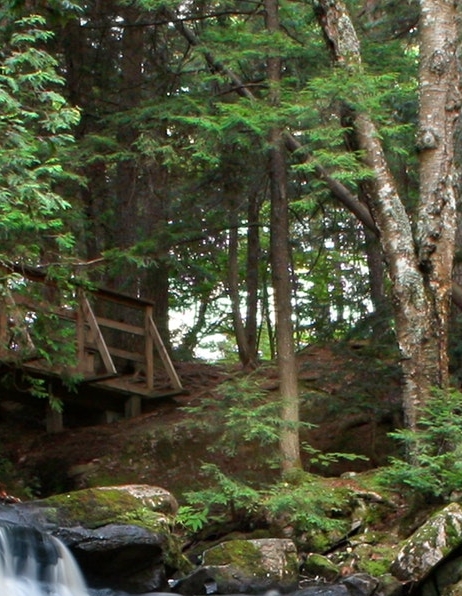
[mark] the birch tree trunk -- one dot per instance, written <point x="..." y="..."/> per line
<point x="420" y="263"/>
<point x="436" y="217"/>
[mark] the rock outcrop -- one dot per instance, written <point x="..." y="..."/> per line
<point x="121" y="536"/>
<point x="245" y="566"/>
<point x="429" y="545"/>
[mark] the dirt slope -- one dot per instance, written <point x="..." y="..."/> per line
<point x="351" y="392"/>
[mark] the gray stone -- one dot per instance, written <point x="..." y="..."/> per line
<point x="358" y="584"/>
<point x="120" y="536"/>
<point x="429" y="545"/>
<point x="324" y="590"/>
<point x="361" y="584"/>
<point x="390" y="586"/>
<point x="244" y="566"/>
<point x="319" y="566"/>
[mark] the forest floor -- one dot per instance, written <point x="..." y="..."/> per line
<point x="350" y="392"/>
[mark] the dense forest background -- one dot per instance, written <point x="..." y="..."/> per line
<point x="264" y="172"/>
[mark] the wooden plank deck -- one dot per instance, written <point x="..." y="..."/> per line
<point x="106" y="343"/>
<point x="126" y="385"/>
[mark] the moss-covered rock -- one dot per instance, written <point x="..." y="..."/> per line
<point x="374" y="559"/>
<point x="319" y="566"/>
<point x="120" y="533"/>
<point x="145" y="506"/>
<point x="255" y="565"/>
<point x="142" y="505"/>
<point x="430" y="544"/>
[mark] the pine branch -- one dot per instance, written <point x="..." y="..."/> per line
<point x="338" y="190"/>
<point x="174" y="19"/>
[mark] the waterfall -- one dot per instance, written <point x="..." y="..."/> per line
<point x="36" y="564"/>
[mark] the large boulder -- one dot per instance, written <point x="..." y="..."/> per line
<point x="94" y="507"/>
<point x="124" y="557"/>
<point x="318" y="566"/>
<point x="429" y="545"/>
<point x="245" y="566"/>
<point x="119" y="535"/>
<point x="445" y="579"/>
<point x="359" y="584"/>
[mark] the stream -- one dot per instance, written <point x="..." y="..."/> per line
<point x="33" y="563"/>
<point x="36" y="564"/>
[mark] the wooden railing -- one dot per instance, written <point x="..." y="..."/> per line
<point x="91" y="338"/>
<point x="113" y="332"/>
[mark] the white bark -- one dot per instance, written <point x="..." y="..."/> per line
<point x="439" y="109"/>
<point x="419" y="267"/>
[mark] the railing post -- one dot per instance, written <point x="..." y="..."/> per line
<point x="54" y="417"/>
<point x="54" y="420"/>
<point x="82" y="363"/>
<point x="4" y="332"/>
<point x="174" y="378"/>
<point x="148" y="348"/>
<point x="103" y="349"/>
<point x="133" y="406"/>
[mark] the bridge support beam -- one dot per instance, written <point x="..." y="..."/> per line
<point x="54" y="420"/>
<point x="109" y="416"/>
<point x="133" y="406"/>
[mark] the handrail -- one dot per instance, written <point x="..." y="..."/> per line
<point x="90" y="319"/>
<point x="90" y="338"/>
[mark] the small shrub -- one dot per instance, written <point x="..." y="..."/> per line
<point x="244" y="414"/>
<point x="311" y="506"/>
<point x="433" y="467"/>
<point x="226" y="499"/>
<point x="191" y="518"/>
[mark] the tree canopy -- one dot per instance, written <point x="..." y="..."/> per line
<point x="274" y="172"/>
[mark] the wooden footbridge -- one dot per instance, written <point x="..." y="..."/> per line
<point x="104" y="343"/>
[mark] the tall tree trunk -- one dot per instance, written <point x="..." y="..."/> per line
<point x="379" y="297"/>
<point x="439" y="108"/>
<point x="233" y="281"/>
<point x="253" y="267"/>
<point x="153" y="216"/>
<point x="79" y="86"/>
<point x="128" y="174"/>
<point x="141" y="184"/>
<point x="267" y="322"/>
<point x="420" y="267"/>
<point x="280" y="262"/>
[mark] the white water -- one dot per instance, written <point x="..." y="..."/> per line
<point x="35" y="564"/>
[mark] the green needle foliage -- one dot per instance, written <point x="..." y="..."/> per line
<point x="35" y="139"/>
<point x="35" y="126"/>
<point x="310" y="505"/>
<point x="246" y="422"/>
<point x="226" y="499"/>
<point x="436" y="469"/>
<point x="246" y="414"/>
